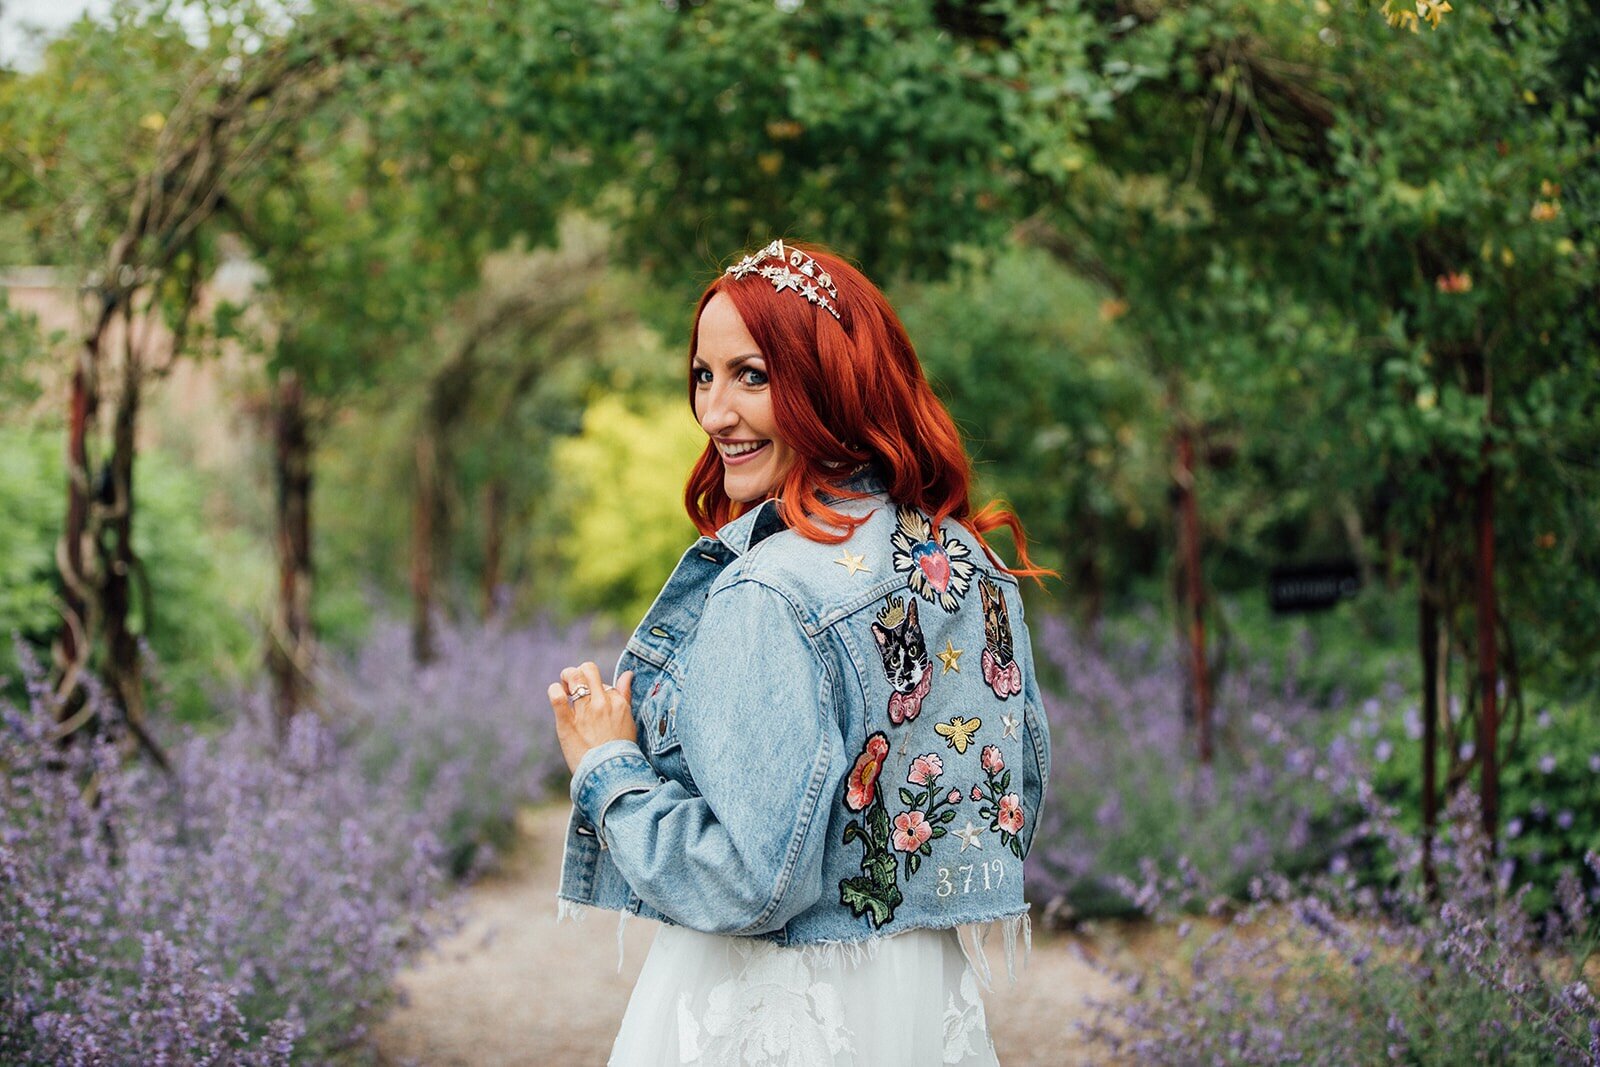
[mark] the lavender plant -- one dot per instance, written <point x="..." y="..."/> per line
<point x="254" y="906"/>
<point x="1338" y="972"/>
<point x="1127" y="789"/>
<point x="472" y="728"/>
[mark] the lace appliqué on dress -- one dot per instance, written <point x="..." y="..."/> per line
<point x="965" y="1031"/>
<point x="771" y="1011"/>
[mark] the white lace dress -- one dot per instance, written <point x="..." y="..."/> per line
<point x="909" y="999"/>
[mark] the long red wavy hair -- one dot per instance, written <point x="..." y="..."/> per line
<point x="843" y="392"/>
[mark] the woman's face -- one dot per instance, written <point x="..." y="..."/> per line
<point x="733" y="402"/>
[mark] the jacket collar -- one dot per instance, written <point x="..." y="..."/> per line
<point x="750" y="529"/>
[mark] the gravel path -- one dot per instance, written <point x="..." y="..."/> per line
<point x="515" y="988"/>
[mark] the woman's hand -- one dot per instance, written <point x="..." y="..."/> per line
<point x="590" y="713"/>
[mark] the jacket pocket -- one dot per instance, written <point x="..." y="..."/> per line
<point x="659" y="724"/>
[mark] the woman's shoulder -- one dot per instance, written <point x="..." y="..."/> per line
<point x="890" y="546"/>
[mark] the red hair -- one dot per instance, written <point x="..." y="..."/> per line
<point x="844" y="392"/>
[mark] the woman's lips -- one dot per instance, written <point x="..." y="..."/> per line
<point x="744" y="457"/>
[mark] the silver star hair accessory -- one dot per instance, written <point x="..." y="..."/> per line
<point x="794" y="270"/>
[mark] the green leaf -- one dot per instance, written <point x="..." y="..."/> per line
<point x="907" y="798"/>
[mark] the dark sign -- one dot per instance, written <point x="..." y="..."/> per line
<point x="1312" y="586"/>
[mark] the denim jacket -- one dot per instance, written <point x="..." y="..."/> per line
<point x="837" y="742"/>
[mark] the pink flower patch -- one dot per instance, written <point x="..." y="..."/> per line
<point x="991" y="760"/>
<point x="864" y="775"/>
<point x="954" y="797"/>
<point x="911" y="831"/>
<point x="1010" y="817"/>
<point x="925" y="769"/>
<point x="977" y="794"/>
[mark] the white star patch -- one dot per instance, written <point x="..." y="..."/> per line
<point x="855" y="561"/>
<point x="1010" y="725"/>
<point x="970" y="835"/>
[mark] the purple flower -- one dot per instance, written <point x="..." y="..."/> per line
<point x="1547" y="763"/>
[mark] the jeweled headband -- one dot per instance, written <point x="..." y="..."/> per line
<point x="793" y="270"/>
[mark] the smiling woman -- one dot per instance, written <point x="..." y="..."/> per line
<point x="733" y="403"/>
<point x="825" y="823"/>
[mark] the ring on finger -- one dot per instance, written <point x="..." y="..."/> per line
<point x="578" y="693"/>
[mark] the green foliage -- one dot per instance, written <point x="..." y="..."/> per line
<point x="1058" y="413"/>
<point x="204" y="582"/>
<point x="621" y="495"/>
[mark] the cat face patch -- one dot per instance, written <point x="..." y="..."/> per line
<point x="937" y="570"/>
<point x="1000" y="670"/>
<point x="905" y="658"/>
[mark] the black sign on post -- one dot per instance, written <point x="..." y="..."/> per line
<point x="1312" y="586"/>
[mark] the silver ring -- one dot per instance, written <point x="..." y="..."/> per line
<point x="578" y="693"/>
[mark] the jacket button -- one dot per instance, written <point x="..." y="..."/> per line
<point x="662" y="729"/>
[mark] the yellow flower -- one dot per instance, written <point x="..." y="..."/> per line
<point x="154" y="121"/>
<point x="1544" y="210"/>
<point x="1549" y="188"/>
<point x="1565" y="247"/>
<point x="1453" y="282"/>
<point x="1433" y="10"/>
<point x="1507" y="256"/>
<point x="769" y="162"/>
<point x="1399" y="17"/>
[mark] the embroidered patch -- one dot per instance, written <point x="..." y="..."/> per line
<point x="1002" y="809"/>
<point x="905" y="658"/>
<point x="936" y="569"/>
<point x="875" y="892"/>
<point x="951" y="657"/>
<point x="854" y="562"/>
<point x="1000" y="670"/>
<point x="916" y="828"/>
<point x="958" y="731"/>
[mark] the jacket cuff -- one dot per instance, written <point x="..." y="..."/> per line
<point x="605" y="773"/>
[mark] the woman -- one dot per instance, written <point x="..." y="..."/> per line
<point x="824" y="756"/>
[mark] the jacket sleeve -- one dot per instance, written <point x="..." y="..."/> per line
<point x="1036" y="759"/>
<point x="757" y="723"/>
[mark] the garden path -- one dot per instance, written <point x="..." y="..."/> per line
<point x="516" y="989"/>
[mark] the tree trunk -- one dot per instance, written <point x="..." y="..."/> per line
<point x="1488" y="665"/>
<point x="494" y="503"/>
<point x="291" y="643"/>
<point x="1087" y="573"/>
<point x="124" y="673"/>
<point x="424" y="507"/>
<point x="1194" y="589"/>
<point x="71" y="652"/>
<point x="1429" y="648"/>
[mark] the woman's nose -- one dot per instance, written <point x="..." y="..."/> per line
<point x="716" y="414"/>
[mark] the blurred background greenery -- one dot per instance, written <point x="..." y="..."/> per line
<point x="380" y="308"/>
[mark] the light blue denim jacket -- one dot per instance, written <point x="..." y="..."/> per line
<point x="838" y="741"/>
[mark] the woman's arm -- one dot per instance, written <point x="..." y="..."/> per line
<point x="757" y="724"/>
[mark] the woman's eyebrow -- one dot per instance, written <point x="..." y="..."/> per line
<point x="733" y="364"/>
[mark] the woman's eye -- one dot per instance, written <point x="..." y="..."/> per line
<point x="701" y="376"/>
<point x="756" y="377"/>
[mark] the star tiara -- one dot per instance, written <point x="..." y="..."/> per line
<point x="806" y="276"/>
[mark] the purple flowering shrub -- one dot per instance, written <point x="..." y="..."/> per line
<point x="257" y="903"/>
<point x="1549" y="789"/>
<point x="1127" y="789"/>
<point x="473" y="728"/>
<point x="1337" y="970"/>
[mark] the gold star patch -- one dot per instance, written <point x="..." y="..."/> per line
<point x="855" y="562"/>
<point x="950" y="657"/>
